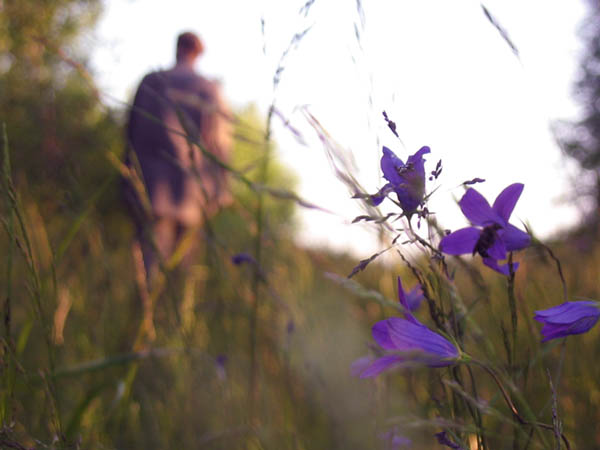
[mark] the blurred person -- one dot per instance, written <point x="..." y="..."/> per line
<point x="176" y="116"/>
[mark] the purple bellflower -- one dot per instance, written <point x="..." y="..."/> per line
<point x="394" y="440"/>
<point x="413" y="298"/>
<point x="360" y="365"/>
<point x="240" y="258"/>
<point x="407" y="342"/>
<point x="568" y="318"/>
<point x="406" y="180"/>
<point x="491" y="236"/>
<point x="443" y="439"/>
<point x="221" y="366"/>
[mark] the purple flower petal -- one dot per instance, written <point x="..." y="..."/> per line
<point x="460" y="242"/>
<point x="410" y="197"/>
<point x="445" y="440"/>
<point x="360" y="365"/>
<point x="497" y="250"/>
<point x="415" y="297"/>
<point x="557" y="310"/>
<point x="568" y="312"/>
<point x="381" y="334"/>
<point x="503" y="269"/>
<point x="417" y="163"/>
<point x="404" y="302"/>
<point x="407" y="343"/>
<point x="568" y="318"/>
<point x="408" y="336"/>
<point x="418" y="157"/>
<point x="407" y="180"/>
<point x="378" y="197"/>
<point x="221" y="367"/>
<point x="553" y="331"/>
<point x="506" y="200"/>
<point x="381" y="364"/>
<point x="400" y="441"/>
<point x="394" y="440"/>
<point x="412" y="188"/>
<point x="477" y="209"/>
<point x="240" y="258"/>
<point x="497" y="236"/>
<point x="390" y="164"/>
<point x="514" y="239"/>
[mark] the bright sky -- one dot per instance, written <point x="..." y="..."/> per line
<point x="439" y="68"/>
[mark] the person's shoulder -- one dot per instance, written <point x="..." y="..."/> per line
<point x="154" y="76"/>
<point x="153" y="82"/>
<point x="211" y="85"/>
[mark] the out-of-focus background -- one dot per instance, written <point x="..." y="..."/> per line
<point x="249" y="357"/>
<point x="440" y="70"/>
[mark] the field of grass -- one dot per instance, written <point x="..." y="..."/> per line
<point x="256" y="352"/>
<point x="259" y="356"/>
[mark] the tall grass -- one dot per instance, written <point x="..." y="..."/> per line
<point x="258" y="355"/>
<point x="72" y="375"/>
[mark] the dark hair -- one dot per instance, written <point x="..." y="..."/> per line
<point x="189" y="43"/>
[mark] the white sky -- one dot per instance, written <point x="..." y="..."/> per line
<point x="438" y="67"/>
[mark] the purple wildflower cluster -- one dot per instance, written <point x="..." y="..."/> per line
<point x="491" y="235"/>
<point x="404" y="342"/>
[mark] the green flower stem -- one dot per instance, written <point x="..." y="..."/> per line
<point x="512" y="305"/>
<point x="512" y="406"/>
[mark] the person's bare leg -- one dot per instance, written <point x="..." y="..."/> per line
<point x="149" y="250"/>
<point x="165" y="237"/>
<point x="141" y="279"/>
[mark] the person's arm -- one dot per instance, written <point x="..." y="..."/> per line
<point x="216" y="133"/>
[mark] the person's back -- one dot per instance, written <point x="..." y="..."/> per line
<point x="177" y="115"/>
<point x="173" y="111"/>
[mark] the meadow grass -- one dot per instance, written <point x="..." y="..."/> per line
<point x="258" y="355"/>
<point x="249" y="358"/>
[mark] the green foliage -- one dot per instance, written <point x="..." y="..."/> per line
<point x="75" y="321"/>
<point x="249" y="153"/>
<point x="75" y="374"/>
<point x="581" y="139"/>
<point x="59" y="130"/>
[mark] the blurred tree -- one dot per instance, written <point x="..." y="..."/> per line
<point x="249" y="151"/>
<point x="581" y="140"/>
<point x="58" y="130"/>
